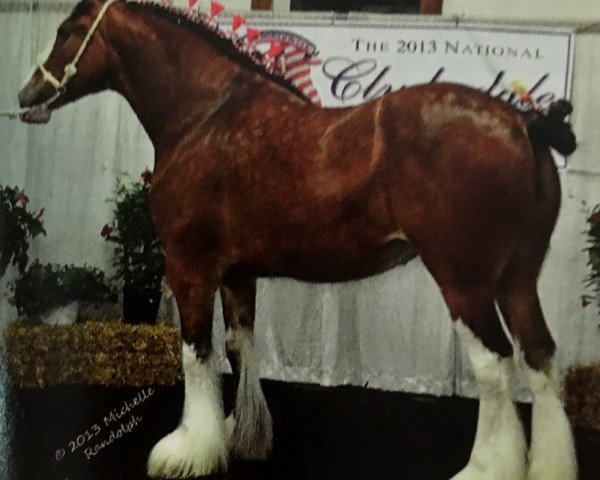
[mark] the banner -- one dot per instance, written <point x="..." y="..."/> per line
<point x="356" y="62"/>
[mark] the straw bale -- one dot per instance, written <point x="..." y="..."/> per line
<point x="109" y="353"/>
<point x="582" y="396"/>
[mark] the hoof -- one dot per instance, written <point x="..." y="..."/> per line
<point x="185" y="453"/>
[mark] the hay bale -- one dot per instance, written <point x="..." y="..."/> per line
<point x="582" y="396"/>
<point x="92" y="353"/>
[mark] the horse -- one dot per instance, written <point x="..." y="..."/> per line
<point x="252" y="180"/>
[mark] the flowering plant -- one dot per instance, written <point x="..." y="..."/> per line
<point x="138" y="256"/>
<point x="42" y="288"/>
<point x="593" y="249"/>
<point x="18" y="226"/>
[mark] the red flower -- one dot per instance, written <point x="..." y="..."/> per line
<point x="106" y="231"/>
<point x="595" y="217"/>
<point x="40" y="213"/>
<point x="585" y="301"/>
<point x="147" y="176"/>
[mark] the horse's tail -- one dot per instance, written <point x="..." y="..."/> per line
<point x="551" y="130"/>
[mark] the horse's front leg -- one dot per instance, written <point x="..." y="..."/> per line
<point x="249" y="426"/>
<point x="198" y="446"/>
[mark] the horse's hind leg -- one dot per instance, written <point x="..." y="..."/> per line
<point x="249" y="426"/>
<point x="552" y="452"/>
<point x="499" y="448"/>
<point x="198" y="446"/>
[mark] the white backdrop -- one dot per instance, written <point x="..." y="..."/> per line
<point x="390" y="332"/>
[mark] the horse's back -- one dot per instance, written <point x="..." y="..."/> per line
<point x="445" y="166"/>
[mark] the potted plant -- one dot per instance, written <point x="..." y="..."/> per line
<point x="138" y="256"/>
<point x="52" y="293"/>
<point x="593" y="249"/>
<point x="18" y="226"/>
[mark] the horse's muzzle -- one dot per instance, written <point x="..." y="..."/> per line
<point x="34" y="95"/>
<point x="29" y="95"/>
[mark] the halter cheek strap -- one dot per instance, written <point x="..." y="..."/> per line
<point x="71" y="68"/>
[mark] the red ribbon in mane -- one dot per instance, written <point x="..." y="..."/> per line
<point x="275" y="49"/>
<point x="215" y="8"/>
<point x="237" y="22"/>
<point x="252" y="34"/>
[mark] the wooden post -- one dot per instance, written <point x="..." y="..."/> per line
<point x="431" y="7"/>
<point x="261" y="4"/>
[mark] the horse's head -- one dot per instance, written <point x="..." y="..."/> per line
<point x="74" y="65"/>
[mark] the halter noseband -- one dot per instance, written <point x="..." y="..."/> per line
<point x="71" y="68"/>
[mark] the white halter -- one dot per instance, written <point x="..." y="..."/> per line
<point x="71" y="68"/>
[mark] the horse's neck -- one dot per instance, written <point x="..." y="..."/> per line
<point x="172" y="78"/>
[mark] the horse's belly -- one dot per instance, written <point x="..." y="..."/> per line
<point x="330" y="267"/>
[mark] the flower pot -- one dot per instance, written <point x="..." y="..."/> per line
<point x="65" y="315"/>
<point x="140" y="306"/>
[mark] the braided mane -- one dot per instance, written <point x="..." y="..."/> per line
<point x="198" y="24"/>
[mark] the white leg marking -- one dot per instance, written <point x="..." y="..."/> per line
<point x="499" y="448"/>
<point x="251" y="426"/>
<point x="45" y="54"/>
<point x="552" y="451"/>
<point x="198" y="446"/>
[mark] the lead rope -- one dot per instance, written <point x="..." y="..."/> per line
<point x="15" y="114"/>
<point x="70" y="69"/>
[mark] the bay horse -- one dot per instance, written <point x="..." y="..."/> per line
<point x="252" y="180"/>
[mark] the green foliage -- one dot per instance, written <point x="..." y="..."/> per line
<point x="18" y="227"/>
<point x="44" y="287"/>
<point x="138" y="256"/>
<point x="593" y="250"/>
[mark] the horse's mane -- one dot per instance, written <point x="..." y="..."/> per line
<point x="198" y="25"/>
